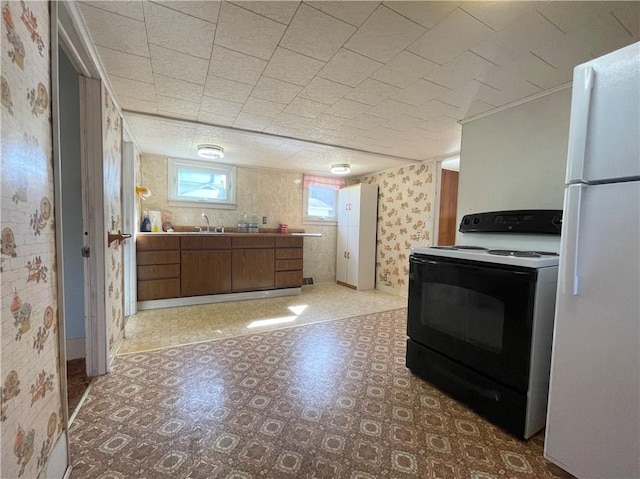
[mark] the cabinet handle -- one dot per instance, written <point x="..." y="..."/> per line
<point x="348" y="255"/>
<point x="345" y="254"/>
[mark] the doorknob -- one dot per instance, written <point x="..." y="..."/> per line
<point x="119" y="237"/>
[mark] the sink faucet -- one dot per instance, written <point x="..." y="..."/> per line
<point x="206" y="218"/>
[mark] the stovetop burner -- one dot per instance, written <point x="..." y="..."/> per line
<point x="521" y="254"/>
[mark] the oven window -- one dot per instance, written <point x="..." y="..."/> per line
<point x="465" y="314"/>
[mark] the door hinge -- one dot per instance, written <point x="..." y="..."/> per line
<point x="86" y="251"/>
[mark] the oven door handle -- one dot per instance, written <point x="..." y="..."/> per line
<point x="466" y="267"/>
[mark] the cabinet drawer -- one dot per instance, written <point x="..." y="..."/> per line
<point x="289" y="241"/>
<point x="145" y="243"/>
<point x="158" y="289"/>
<point x="289" y="253"/>
<point x="162" y="271"/>
<point x="252" y="242"/>
<point x="288" y="264"/>
<point x="206" y="242"/>
<point x="157" y="257"/>
<point x="288" y="279"/>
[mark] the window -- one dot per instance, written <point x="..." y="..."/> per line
<point x="320" y="199"/>
<point x="201" y="182"/>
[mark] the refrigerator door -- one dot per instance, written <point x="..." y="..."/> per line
<point x="593" y="419"/>
<point x="605" y="118"/>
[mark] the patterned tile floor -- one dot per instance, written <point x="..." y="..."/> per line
<point x="161" y="328"/>
<point x="327" y="400"/>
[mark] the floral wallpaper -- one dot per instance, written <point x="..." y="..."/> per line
<point x="30" y="398"/>
<point x="276" y="194"/>
<point x="405" y="200"/>
<point x="112" y="144"/>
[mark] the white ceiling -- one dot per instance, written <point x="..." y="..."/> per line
<point x="387" y="78"/>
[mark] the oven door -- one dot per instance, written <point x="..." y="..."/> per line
<point x="475" y="313"/>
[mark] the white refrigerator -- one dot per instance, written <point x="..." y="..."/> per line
<point x="593" y="418"/>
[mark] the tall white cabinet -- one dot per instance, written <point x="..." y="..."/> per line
<point x="356" y="251"/>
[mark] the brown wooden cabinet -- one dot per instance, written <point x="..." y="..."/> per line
<point x="288" y="262"/>
<point x="185" y="265"/>
<point x="158" y="267"/>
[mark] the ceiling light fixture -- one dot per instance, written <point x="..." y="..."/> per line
<point x="340" y="168"/>
<point x="210" y="152"/>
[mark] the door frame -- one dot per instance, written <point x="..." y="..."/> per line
<point x="71" y="40"/>
<point x="129" y="222"/>
<point x="435" y="227"/>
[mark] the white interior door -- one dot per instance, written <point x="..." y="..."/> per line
<point x="129" y="226"/>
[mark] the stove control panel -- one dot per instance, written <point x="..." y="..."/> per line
<point x="513" y="221"/>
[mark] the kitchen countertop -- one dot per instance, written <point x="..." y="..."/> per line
<point x="204" y="233"/>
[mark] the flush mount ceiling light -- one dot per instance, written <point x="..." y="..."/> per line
<point x="340" y="168"/>
<point x="210" y="151"/>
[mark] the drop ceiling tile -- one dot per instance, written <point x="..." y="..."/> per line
<point x="175" y="107"/>
<point x="522" y="36"/>
<point x="390" y="109"/>
<point x="466" y="94"/>
<point x="384" y="35"/>
<point x="434" y="109"/>
<point x="257" y="106"/>
<point x="366" y="122"/>
<point x="126" y="65"/>
<point x="180" y="89"/>
<point x="513" y="93"/>
<point x="568" y="16"/>
<point x="474" y="108"/>
<point x="603" y="35"/>
<point x="349" y="68"/>
<point x="279" y="11"/>
<point x="324" y="91"/>
<point x="348" y="109"/>
<point x="498" y="15"/>
<point x="354" y="13"/>
<point x="178" y="65"/>
<point x="460" y="70"/>
<point x="371" y="92"/>
<point x="405" y="122"/>
<point x="220" y="107"/>
<point x="247" y="32"/>
<point x="316" y="34"/>
<point x="281" y="130"/>
<point x="404" y="70"/>
<point x="306" y="108"/>
<point x="214" y="119"/>
<point x="536" y="71"/>
<point x="204" y="9"/>
<point x="275" y="90"/>
<point x="236" y="66"/>
<point x="346" y="131"/>
<point x="420" y="92"/>
<point x="135" y="104"/>
<point x="115" y="31"/>
<point x="292" y="67"/>
<point x="458" y="32"/>
<point x="132" y="88"/>
<point x="314" y="134"/>
<point x="251" y="122"/>
<point x="224" y="89"/>
<point x="628" y="13"/>
<point x="290" y="121"/>
<point x="426" y="14"/>
<point x="167" y="28"/>
<point x="328" y="121"/>
<point x="132" y="9"/>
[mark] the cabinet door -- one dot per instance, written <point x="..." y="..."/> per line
<point x="353" y="207"/>
<point x="205" y="272"/>
<point x="341" y="255"/>
<point x="353" y="261"/>
<point x="344" y="196"/>
<point x="253" y="269"/>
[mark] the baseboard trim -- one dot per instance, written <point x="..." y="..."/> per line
<point x="76" y="348"/>
<point x="216" y="298"/>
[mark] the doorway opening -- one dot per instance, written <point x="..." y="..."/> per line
<point x="448" y="202"/>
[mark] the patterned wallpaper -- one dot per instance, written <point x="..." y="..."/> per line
<point x="30" y="403"/>
<point x="405" y="199"/>
<point x="275" y="194"/>
<point x="112" y="157"/>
